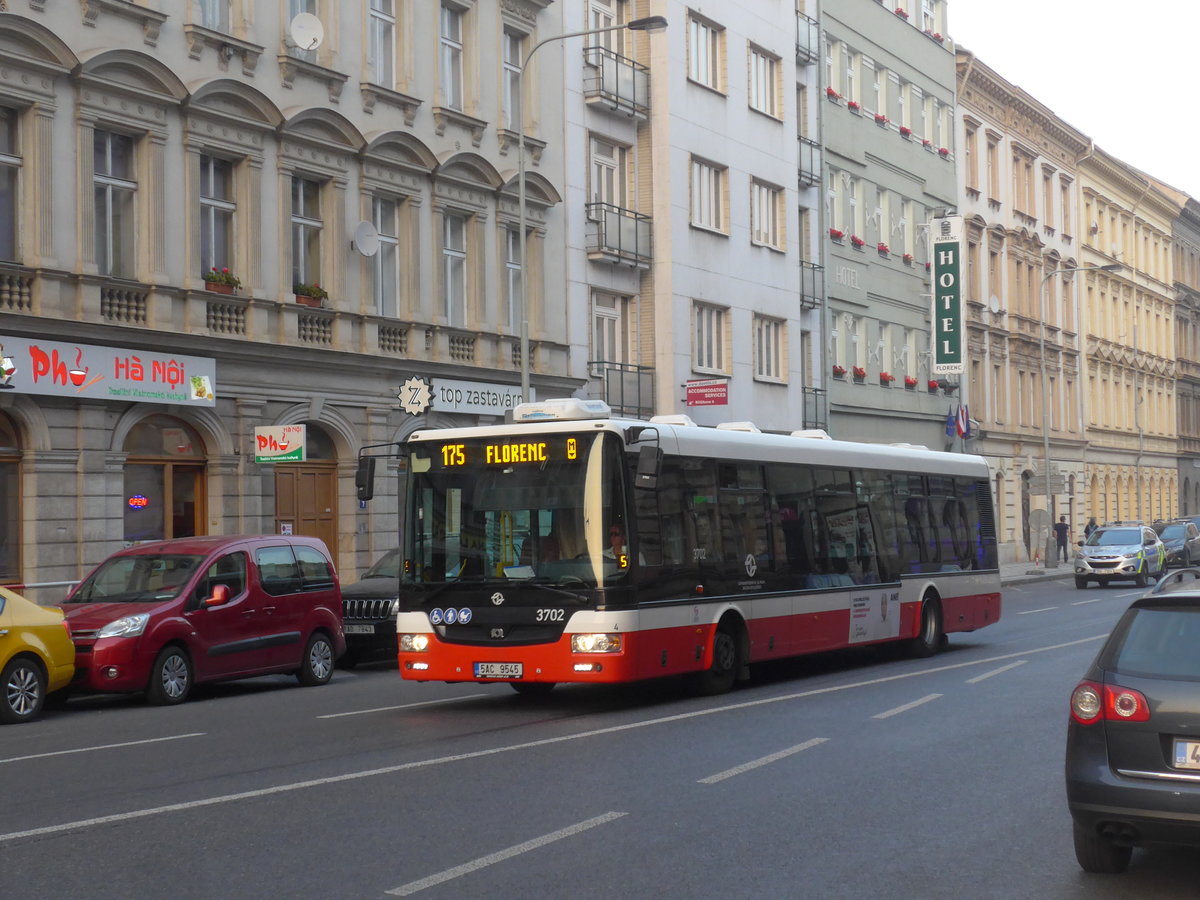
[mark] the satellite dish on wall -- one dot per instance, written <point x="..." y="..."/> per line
<point x="306" y="31"/>
<point x="994" y="304"/>
<point x="366" y="238"/>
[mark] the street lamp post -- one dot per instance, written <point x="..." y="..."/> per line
<point x="648" y="24"/>
<point x="1051" y="557"/>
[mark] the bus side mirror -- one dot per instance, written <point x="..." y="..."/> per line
<point x="649" y="462"/>
<point x="364" y="478"/>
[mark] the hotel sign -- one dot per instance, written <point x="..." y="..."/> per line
<point x="105" y="373"/>
<point x="947" y="330"/>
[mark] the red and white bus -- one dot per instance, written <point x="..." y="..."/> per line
<point x="572" y="546"/>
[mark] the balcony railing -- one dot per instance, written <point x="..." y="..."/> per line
<point x="618" y="235"/>
<point x="626" y="388"/>
<point x="808" y="39"/>
<point x="812" y="285"/>
<point x="815" y="408"/>
<point x="615" y="82"/>
<point x="810" y="162"/>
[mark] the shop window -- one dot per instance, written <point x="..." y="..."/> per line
<point x="10" y="503"/>
<point x="164" y="481"/>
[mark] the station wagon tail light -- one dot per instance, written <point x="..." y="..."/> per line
<point x="414" y="643"/>
<point x="595" y="643"/>
<point x="1119" y="704"/>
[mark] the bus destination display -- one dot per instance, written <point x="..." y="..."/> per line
<point x="509" y="452"/>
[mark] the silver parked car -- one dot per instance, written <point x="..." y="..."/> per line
<point x="1120" y="552"/>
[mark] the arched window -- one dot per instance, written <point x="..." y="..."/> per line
<point x="10" y="502"/>
<point x="164" y="480"/>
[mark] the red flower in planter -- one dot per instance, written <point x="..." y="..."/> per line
<point x="886" y="378"/>
<point x="909" y="381"/>
<point x="857" y="241"/>
<point x="838" y="371"/>
<point x="905" y="131"/>
<point x="880" y="119"/>
<point x="901" y="12"/>
<point x="836" y="233"/>
<point x="926" y="142"/>
<point x="859" y="372"/>
<point x="832" y="94"/>
<point x="943" y="151"/>
<point x="882" y="247"/>
<point x="908" y="258"/>
<point x="852" y="104"/>
<point x="933" y="385"/>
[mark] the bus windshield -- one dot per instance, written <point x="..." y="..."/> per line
<point x="537" y="507"/>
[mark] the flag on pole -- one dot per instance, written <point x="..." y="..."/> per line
<point x="951" y="421"/>
<point x="963" y="422"/>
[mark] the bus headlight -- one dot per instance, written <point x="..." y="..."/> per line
<point x="595" y="643"/>
<point x="413" y="643"/>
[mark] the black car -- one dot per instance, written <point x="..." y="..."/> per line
<point x="1182" y="540"/>
<point x="369" y="608"/>
<point x="1133" y="740"/>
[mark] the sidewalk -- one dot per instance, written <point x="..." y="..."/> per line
<point x="1026" y="572"/>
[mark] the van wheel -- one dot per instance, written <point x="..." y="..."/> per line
<point x="930" y="639"/>
<point x="317" y="665"/>
<point x="1080" y="582"/>
<point x="720" y="676"/>
<point x="170" y="678"/>
<point x="1095" y="854"/>
<point x="24" y="688"/>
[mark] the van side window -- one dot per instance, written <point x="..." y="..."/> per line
<point x="315" y="570"/>
<point x="229" y="570"/>
<point x="277" y="572"/>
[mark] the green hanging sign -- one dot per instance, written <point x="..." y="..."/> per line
<point x="947" y="330"/>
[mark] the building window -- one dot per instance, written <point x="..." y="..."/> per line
<point x="454" y="269"/>
<point x="385" y="214"/>
<point x="1065" y="202"/>
<point x="115" y="189"/>
<point x="605" y="14"/>
<point x="213" y="14"/>
<point x="512" y="78"/>
<point x="381" y="37"/>
<point x="708" y="195"/>
<point x="610" y="330"/>
<point x="768" y="349"/>
<point x="708" y="353"/>
<point x="10" y="501"/>
<point x="10" y="168"/>
<point x="764" y="82"/>
<point x="164" y="480"/>
<point x="512" y="277"/>
<point x="608" y="172"/>
<point x="306" y="231"/>
<point x="295" y="8"/>
<point x="766" y="204"/>
<point x="216" y="214"/>
<point x="704" y="53"/>
<point x="451" y="69"/>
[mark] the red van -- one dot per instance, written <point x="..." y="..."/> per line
<point x="162" y="616"/>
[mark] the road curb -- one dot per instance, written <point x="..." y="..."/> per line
<point x="1040" y="576"/>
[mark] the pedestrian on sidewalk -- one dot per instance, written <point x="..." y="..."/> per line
<point x="1089" y="528"/>
<point x="1062" y="533"/>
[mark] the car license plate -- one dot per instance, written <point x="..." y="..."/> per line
<point x="1187" y="754"/>
<point x="499" y="670"/>
<point x="359" y="629"/>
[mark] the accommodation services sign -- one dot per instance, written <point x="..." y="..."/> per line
<point x="105" y="373"/>
<point x="948" y="342"/>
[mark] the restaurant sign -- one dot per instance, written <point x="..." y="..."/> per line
<point x="105" y="373"/>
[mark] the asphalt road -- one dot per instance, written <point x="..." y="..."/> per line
<point x="846" y="776"/>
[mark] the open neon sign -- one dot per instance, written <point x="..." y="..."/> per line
<point x="137" y="501"/>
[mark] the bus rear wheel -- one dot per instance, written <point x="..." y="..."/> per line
<point x="726" y="663"/>
<point x="931" y="637"/>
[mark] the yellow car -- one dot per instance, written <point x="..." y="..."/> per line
<point x="37" y="656"/>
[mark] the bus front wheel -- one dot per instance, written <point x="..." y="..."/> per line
<point x="726" y="662"/>
<point x="931" y="636"/>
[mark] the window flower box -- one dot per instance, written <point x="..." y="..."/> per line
<point x="881" y="119"/>
<point x="886" y="378"/>
<point x="908" y="259"/>
<point x="856" y="242"/>
<point x="927" y="143"/>
<point x="934" y="36"/>
<point x="839" y="371"/>
<point x="852" y="105"/>
<point x="221" y="281"/>
<point x="901" y="12"/>
<point x="859" y="373"/>
<point x="837" y="234"/>
<point x="832" y="94"/>
<point x="905" y="131"/>
<point x="943" y="152"/>
<point x="932" y="385"/>
<point x="310" y="294"/>
<point x="883" y="248"/>
<point x="928" y="266"/>
<point x="910" y="383"/>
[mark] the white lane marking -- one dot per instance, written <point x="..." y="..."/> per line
<point x="363" y="712"/>
<point x="475" y="865"/>
<point x="979" y="678"/>
<point x="174" y="737"/>
<point x="1085" y="602"/>
<point x="1031" y="611"/>
<point x="754" y="764"/>
<point x="906" y="707"/>
<point x="544" y="742"/>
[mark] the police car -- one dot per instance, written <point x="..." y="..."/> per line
<point x="1120" y="552"/>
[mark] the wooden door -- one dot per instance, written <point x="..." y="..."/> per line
<point x="306" y="499"/>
